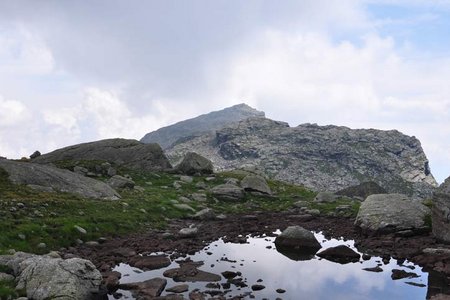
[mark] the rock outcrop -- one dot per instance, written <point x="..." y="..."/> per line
<point x="130" y="154"/>
<point x="45" y="277"/>
<point x="320" y="157"/>
<point x="384" y="213"/>
<point x="48" y="178"/>
<point x="207" y="123"/>
<point x="440" y="215"/>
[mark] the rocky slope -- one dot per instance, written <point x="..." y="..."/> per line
<point x="200" y="125"/>
<point x="126" y="153"/>
<point x="319" y="157"/>
<point x="48" y="178"/>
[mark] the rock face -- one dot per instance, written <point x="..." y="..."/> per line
<point x="193" y="163"/>
<point x="200" y="125"/>
<point x="121" y="152"/>
<point x="49" y="278"/>
<point x="320" y="157"/>
<point x="440" y="215"/>
<point x="383" y="213"/>
<point x="49" y="178"/>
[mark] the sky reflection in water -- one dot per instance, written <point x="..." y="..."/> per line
<point x="312" y="279"/>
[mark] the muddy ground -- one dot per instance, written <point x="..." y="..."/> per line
<point x="235" y="227"/>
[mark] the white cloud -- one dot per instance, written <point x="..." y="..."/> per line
<point x="23" y="52"/>
<point x="12" y="113"/>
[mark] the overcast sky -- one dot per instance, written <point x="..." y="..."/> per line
<point x="77" y="71"/>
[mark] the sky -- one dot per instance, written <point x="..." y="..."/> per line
<point x="79" y="71"/>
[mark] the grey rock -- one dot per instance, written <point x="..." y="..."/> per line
<point x="80" y="170"/>
<point x="13" y="260"/>
<point x="228" y="192"/>
<point x="148" y="289"/>
<point x="188" y="271"/>
<point x="188" y="232"/>
<point x="440" y="213"/>
<point x="362" y="190"/>
<point x="92" y="243"/>
<point x="130" y="154"/>
<point x="194" y="163"/>
<point x="297" y="238"/>
<point x="201" y="185"/>
<point x="183" y="130"/>
<point x="184" y="199"/>
<point x="42" y="245"/>
<point x="255" y="183"/>
<point x="177" y="185"/>
<point x="184" y="206"/>
<point x="49" y="177"/>
<point x="35" y="154"/>
<point x="340" y="254"/>
<point x="187" y="179"/>
<point x="181" y="288"/>
<point x="301" y="203"/>
<point x="45" y="278"/>
<point x="318" y="157"/>
<point x="80" y="229"/>
<point x="198" y="197"/>
<point x="111" y="172"/>
<point x="389" y="213"/>
<point x="325" y="197"/>
<point x="6" y="277"/>
<point x="205" y="214"/>
<point x="120" y="182"/>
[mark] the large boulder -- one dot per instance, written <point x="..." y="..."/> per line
<point x="383" y="213"/>
<point x="255" y="183"/>
<point x="440" y="215"/>
<point x="120" y="182"/>
<point x="362" y="190"/>
<point x="49" y="178"/>
<point x="325" y="197"/>
<point x="43" y="277"/>
<point x="121" y="152"/>
<point x="194" y="163"/>
<point x="297" y="243"/>
<point x="228" y="192"/>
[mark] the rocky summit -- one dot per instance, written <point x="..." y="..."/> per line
<point x="319" y="157"/>
<point x="207" y="123"/>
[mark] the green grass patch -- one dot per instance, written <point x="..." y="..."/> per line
<point x="28" y="217"/>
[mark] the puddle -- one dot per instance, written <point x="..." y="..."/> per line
<point x="312" y="279"/>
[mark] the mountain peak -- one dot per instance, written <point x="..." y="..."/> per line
<point x="206" y="123"/>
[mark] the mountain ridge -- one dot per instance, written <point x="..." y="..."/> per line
<point x="319" y="157"/>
